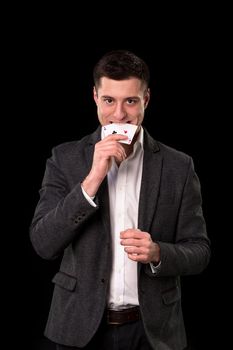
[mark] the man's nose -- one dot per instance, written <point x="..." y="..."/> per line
<point x="119" y="113"/>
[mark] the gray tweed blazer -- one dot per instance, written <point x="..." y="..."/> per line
<point x="65" y="223"/>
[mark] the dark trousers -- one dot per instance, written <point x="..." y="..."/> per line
<point x="129" y="336"/>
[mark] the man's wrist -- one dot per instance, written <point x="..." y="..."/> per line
<point x="156" y="256"/>
<point x="90" y="186"/>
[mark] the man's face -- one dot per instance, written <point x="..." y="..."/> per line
<point x="121" y="101"/>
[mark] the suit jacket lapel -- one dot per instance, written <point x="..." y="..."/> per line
<point x="152" y="166"/>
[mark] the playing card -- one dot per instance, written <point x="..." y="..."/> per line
<point x="121" y="129"/>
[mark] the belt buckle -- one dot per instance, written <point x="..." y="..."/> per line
<point x="109" y="318"/>
<point x="111" y="322"/>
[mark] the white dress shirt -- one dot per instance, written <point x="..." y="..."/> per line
<point x="124" y="183"/>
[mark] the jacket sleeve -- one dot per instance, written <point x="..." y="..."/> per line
<point x="61" y="212"/>
<point x="190" y="253"/>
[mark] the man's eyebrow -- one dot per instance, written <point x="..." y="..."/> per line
<point x="106" y="96"/>
<point x="125" y="98"/>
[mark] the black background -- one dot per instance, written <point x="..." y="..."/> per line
<point x="51" y="71"/>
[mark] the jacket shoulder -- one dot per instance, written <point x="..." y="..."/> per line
<point x="167" y="152"/>
<point x="173" y="155"/>
<point x="71" y="148"/>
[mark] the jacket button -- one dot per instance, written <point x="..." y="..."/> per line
<point x="79" y="218"/>
<point x="103" y="280"/>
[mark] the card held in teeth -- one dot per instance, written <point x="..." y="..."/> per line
<point x="121" y="129"/>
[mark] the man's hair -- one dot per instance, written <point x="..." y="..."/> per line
<point x="121" y="65"/>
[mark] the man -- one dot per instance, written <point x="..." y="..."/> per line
<point x="126" y="215"/>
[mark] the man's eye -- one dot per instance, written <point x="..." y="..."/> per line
<point x="131" y="101"/>
<point x="108" y="100"/>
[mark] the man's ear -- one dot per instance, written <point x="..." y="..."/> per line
<point x="147" y="98"/>
<point x="95" y="96"/>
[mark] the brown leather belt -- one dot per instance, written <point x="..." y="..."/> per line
<point x="123" y="316"/>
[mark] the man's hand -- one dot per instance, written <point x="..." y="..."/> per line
<point x="139" y="246"/>
<point x="104" y="150"/>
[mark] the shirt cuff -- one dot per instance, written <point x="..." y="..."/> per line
<point x="155" y="268"/>
<point x="88" y="198"/>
